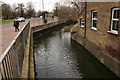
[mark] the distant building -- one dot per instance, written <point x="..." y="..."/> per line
<point x="98" y="30"/>
<point x="50" y="15"/>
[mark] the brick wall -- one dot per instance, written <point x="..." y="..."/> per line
<point x="103" y="45"/>
<point x="101" y="37"/>
<point x="81" y="30"/>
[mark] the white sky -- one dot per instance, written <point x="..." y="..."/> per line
<point x="48" y="4"/>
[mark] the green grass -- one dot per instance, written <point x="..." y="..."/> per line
<point x="6" y="21"/>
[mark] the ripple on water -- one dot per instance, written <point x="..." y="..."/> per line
<point x="55" y="58"/>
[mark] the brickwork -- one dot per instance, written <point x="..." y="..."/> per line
<point x="103" y="45"/>
<point x="81" y="31"/>
<point x="101" y="37"/>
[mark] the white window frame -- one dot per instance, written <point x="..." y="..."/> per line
<point x="82" y="21"/>
<point x="113" y="19"/>
<point x="93" y="28"/>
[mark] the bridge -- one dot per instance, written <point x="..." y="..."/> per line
<point x="17" y="61"/>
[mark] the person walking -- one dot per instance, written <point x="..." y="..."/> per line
<point x="16" y="25"/>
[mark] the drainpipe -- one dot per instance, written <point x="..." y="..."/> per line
<point x="119" y="20"/>
<point x="85" y="17"/>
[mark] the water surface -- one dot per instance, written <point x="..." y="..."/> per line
<point x="57" y="56"/>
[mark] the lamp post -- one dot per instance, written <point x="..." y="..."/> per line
<point x="43" y="11"/>
<point x="43" y="5"/>
<point x="35" y="18"/>
<point x="40" y="9"/>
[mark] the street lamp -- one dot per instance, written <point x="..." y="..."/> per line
<point x="38" y="20"/>
<point x="44" y="20"/>
<point x="43" y="12"/>
<point x="43" y="5"/>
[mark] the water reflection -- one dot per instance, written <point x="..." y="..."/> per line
<point x="57" y="56"/>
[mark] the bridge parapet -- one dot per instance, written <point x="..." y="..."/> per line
<point x="18" y="59"/>
<point x="11" y="60"/>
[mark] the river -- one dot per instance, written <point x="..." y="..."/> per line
<point x="57" y="56"/>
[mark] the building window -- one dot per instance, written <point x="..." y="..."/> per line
<point x="82" y="22"/>
<point x="94" y="20"/>
<point x="114" y="20"/>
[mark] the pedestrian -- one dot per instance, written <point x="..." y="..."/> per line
<point x="16" y="25"/>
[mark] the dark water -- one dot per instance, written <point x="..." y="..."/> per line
<point x="57" y="56"/>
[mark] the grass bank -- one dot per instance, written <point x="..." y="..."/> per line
<point x="6" y="21"/>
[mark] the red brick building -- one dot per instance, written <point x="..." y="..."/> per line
<point x="98" y="30"/>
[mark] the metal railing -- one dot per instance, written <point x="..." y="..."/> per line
<point x="11" y="60"/>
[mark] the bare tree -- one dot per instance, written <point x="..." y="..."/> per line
<point x="30" y="11"/>
<point x="39" y="13"/>
<point x="79" y="5"/>
<point x="20" y="9"/>
<point x="68" y="10"/>
<point x="65" y="12"/>
<point x="14" y="13"/>
<point x="56" y="8"/>
<point x="14" y="6"/>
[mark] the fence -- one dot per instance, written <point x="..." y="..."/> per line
<point x="12" y="59"/>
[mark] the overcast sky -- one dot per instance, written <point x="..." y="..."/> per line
<point x="48" y="4"/>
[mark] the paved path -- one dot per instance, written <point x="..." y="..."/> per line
<point x="7" y="33"/>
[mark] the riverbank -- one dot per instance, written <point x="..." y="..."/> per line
<point x="6" y="21"/>
<point x="96" y="50"/>
<point x="68" y="28"/>
<point x="57" y="56"/>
